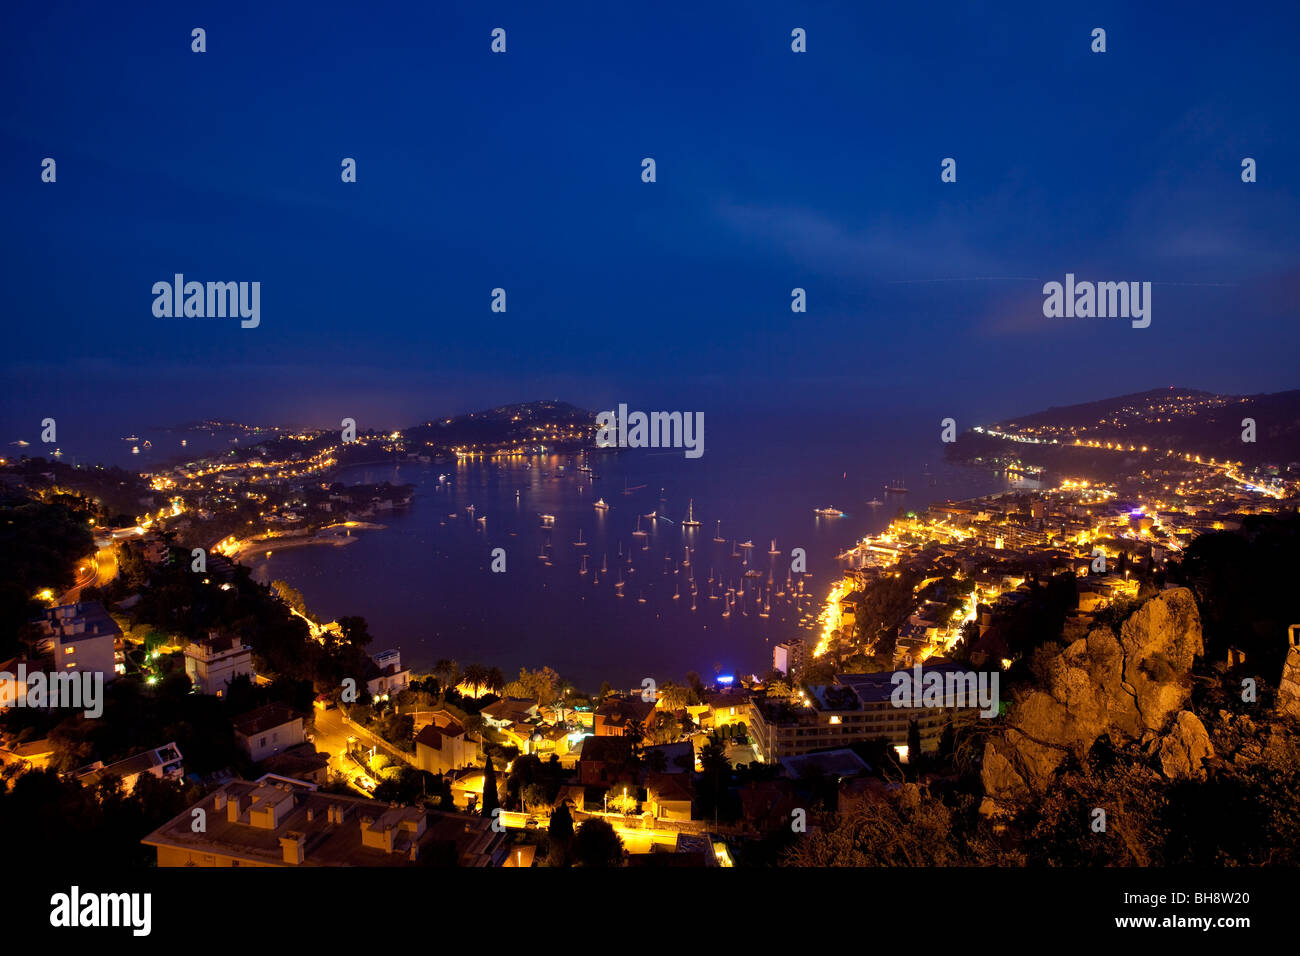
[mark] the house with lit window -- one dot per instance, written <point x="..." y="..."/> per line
<point x="212" y="662"/>
<point x="725" y="708"/>
<point x="385" y="674"/>
<point x="269" y="730"/>
<point x="443" y="745"/>
<point x="80" y="637"/>
<point x="669" y="795"/>
<point x="509" y="710"/>
<point x="616" y="715"/>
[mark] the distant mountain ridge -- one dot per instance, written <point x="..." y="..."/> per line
<point x="519" y="422"/>
<point x="1189" y="420"/>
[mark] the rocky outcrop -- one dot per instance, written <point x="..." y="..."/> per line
<point x="1182" y="751"/>
<point x="1129" y="686"/>
<point x="1288" y="692"/>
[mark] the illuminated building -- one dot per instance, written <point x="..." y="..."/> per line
<point x="788" y="658"/>
<point x="80" y="637"/>
<point x="278" y="821"/>
<point x="856" y="708"/>
<point x="214" y="661"/>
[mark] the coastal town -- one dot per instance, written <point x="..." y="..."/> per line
<point x="300" y="743"/>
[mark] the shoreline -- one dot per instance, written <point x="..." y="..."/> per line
<point x="330" y="536"/>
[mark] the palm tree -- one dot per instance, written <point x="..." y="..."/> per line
<point x="475" y="676"/>
<point x="447" y="671"/>
<point x="713" y="759"/>
<point x="673" y="696"/>
<point x="667" y="728"/>
<point x="494" y="680"/>
<point x="635" y="732"/>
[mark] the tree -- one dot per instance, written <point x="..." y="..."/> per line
<point x="40" y="545"/>
<point x="673" y="696"/>
<point x="447" y="671"/>
<point x="355" y="631"/>
<point x="475" y="677"/>
<point x="667" y="728"/>
<point x="635" y="732"/>
<point x="542" y="685"/>
<point x="546" y="685"/>
<point x="821" y="671"/>
<point x="780" y="689"/>
<point x="716" y="771"/>
<point x="291" y="596"/>
<point x="913" y="748"/>
<point x="622" y="798"/>
<point x="491" y="801"/>
<point x="525" y="772"/>
<point x="596" y="844"/>
<point x="697" y="687"/>
<point x="903" y="829"/>
<point x="560" y="832"/>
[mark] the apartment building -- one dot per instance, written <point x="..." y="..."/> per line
<point x="856" y="708"/>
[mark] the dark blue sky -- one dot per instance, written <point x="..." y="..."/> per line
<point x="522" y="170"/>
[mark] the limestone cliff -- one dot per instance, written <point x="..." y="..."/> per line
<point x="1132" y="686"/>
<point x="1288" y="691"/>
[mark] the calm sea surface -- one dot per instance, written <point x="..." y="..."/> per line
<point x="425" y="583"/>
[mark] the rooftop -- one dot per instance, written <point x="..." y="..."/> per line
<point x="76" y="622"/>
<point x="265" y="718"/>
<point x="272" y="820"/>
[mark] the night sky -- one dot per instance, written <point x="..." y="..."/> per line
<point x="523" y="170"/>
